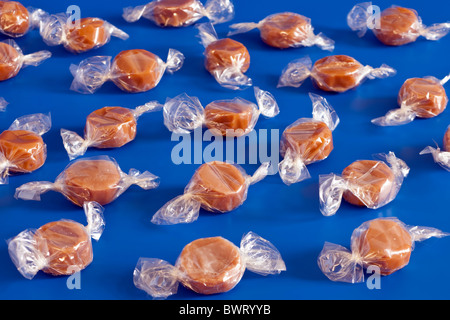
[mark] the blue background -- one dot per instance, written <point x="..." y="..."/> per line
<point x="288" y="216"/>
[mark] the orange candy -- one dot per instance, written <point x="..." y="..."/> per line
<point x="234" y="116"/>
<point x="447" y="140"/>
<point x="9" y="61"/>
<point x="226" y="53"/>
<point x="14" y="18"/>
<point x="398" y="26"/>
<point x="175" y="13"/>
<point x="88" y="34"/>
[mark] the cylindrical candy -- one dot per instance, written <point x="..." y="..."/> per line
<point x="417" y="98"/>
<point x="216" y="187"/>
<point x="14" y="18"/>
<point x="384" y="244"/>
<point x="22" y="149"/>
<point x="395" y="26"/>
<point x="181" y="13"/>
<point x="286" y="30"/>
<point x="12" y="59"/>
<point x="98" y="179"/>
<point x="79" y="35"/>
<point x="208" y="266"/>
<point x="307" y="140"/>
<point x="338" y="73"/>
<point x="368" y="183"/>
<point x="441" y="157"/>
<point x="132" y="71"/>
<point x="108" y="127"/>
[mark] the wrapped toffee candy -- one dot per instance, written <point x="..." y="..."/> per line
<point x="208" y="266"/>
<point x="57" y="248"/>
<point x="307" y="140"/>
<point x="3" y="104"/>
<point x="441" y="157"/>
<point x="395" y="26"/>
<point x="235" y="117"/>
<point x="22" y="149"/>
<point x="385" y="243"/>
<point x="132" y="71"/>
<point x="80" y="35"/>
<point x="337" y="73"/>
<point x="98" y="179"/>
<point x="369" y="183"/>
<point x="181" y="13"/>
<point x="417" y="98"/>
<point x="286" y="30"/>
<point x="16" y="20"/>
<point x="108" y="127"/>
<point x="216" y="187"/>
<point x="12" y="59"/>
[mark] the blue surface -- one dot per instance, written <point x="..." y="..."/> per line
<point x="288" y="216"/>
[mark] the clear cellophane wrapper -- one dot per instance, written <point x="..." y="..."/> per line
<point x="440" y="156"/>
<point x="18" y="60"/>
<point x="343" y="265"/>
<point x="297" y="71"/>
<point x="38" y="124"/>
<point x="361" y="17"/>
<point x="160" y="279"/>
<point x="183" y="113"/>
<point x="16" y="22"/>
<point x="94" y="136"/>
<point x="217" y="11"/>
<point x="3" y="104"/>
<point x="79" y="194"/>
<point x="93" y="72"/>
<point x="292" y="168"/>
<point x="305" y="35"/>
<point x="55" y="29"/>
<point x="230" y="77"/>
<point x="332" y="186"/>
<point x="186" y="207"/>
<point x="28" y="250"/>
<point x="411" y="106"/>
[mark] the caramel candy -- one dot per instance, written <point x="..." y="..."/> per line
<point x="14" y="18"/>
<point x="236" y="116"/>
<point x="88" y="34"/>
<point x="110" y="127"/>
<point x="425" y="97"/>
<point x="337" y="73"/>
<point x="210" y="265"/>
<point x="174" y="13"/>
<point x="386" y="244"/>
<point x="91" y="180"/>
<point x="447" y="140"/>
<point x="398" y="26"/>
<point x="9" y="61"/>
<point x="226" y="53"/>
<point x="371" y="180"/>
<point x="137" y="70"/>
<point x="66" y="246"/>
<point x="311" y="140"/>
<point x="219" y="186"/>
<point x="25" y="150"/>
<point x="284" y="30"/>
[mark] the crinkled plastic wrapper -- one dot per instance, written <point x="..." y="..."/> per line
<point x="79" y="35"/>
<point x="235" y="117"/>
<point x="418" y="98"/>
<point x="208" y="266"/>
<point x="12" y="59"/>
<point x="383" y="243"/>
<point x="16" y="20"/>
<point x="226" y="59"/>
<point x="108" y="127"/>
<point x="286" y="30"/>
<point x="3" y="104"/>
<point x="131" y="71"/>
<point x="338" y="73"/>
<point x="215" y="187"/>
<point x="441" y="157"/>
<point x="22" y="149"/>
<point x="395" y="26"/>
<point x="57" y="248"/>
<point x="98" y="179"/>
<point x="307" y="140"/>
<point x="181" y="13"/>
<point x="369" y="183"/>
